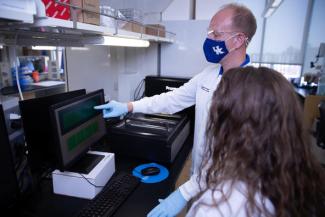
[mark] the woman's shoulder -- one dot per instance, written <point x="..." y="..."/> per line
<point x="234" y="205"/>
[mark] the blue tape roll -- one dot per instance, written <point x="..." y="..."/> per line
<point x="163" y="174"/>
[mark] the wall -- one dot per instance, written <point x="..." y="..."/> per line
<point x="117" y="70"/>
<point x="205" y="9"/>
<point x="178" y="10"/>
<point x="139" y="62"/>
<point x="184" y="58"/>
<point x="93" y="67"/>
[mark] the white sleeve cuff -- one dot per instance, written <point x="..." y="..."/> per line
<point x="190" y="188"/>
<point x="139" y="106"/>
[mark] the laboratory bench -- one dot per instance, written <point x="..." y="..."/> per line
<point x="303" y="92"/>
<point x="40" y="89"/>
<point x="310" y="102"/>
<point x="145" y="197"/>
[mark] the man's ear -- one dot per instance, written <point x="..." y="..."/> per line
<point x="239" y="41"/>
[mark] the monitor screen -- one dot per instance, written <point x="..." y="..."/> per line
<point x="77" y="126"/>
<point x="9" y="189"/>
<point x="38" y="132"/>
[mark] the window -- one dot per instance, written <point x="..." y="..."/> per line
<point x="284" y="33"/>
<point x="283" y="39"/>
<point x="288" y="70"/>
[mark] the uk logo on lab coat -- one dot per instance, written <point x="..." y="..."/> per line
<point x="218" y="50"/>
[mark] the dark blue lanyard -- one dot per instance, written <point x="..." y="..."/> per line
<point x="246" y="61"/>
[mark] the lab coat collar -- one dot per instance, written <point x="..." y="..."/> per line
<point x="246" y="61"/>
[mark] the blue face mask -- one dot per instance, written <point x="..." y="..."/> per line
<point x="214" y="50"/>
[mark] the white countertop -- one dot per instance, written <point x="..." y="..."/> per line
<point x="48" y="83"/>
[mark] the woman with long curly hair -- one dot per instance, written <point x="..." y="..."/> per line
<point x="257" y="160"/>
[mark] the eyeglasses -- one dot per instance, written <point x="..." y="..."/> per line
<point x="215" y="34"/>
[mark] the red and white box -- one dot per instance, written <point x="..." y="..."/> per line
<point x="56" y="10"/>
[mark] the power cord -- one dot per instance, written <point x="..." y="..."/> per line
<point x="138" y="89"/>
<point x="312" y="64"/>
<point x="16" y="69"/>
<point x="96" y="186"/>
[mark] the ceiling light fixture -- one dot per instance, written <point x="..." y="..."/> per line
<point x="271" y="7"/>
<point x="43" y="48"/>
<point x="276" y="3"/>
<point x="269" y="12"/>
<point x="125" y="42"/>
<point x="80" y="48"/>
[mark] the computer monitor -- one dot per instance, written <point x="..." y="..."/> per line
<point x="9" y="190"/>
<point x="159" y="84"/>
<point x="77" y="126"/>
<point x="38" y="130"/>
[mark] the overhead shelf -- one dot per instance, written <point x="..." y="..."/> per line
<point x="58" y="32"/>
<point x="89" y="29"/>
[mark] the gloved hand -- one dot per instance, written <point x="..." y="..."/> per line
<point x="170" y="206"/>
<point x="113" y="109"/>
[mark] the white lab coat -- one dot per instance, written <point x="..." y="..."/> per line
<point x="234" y="207"/>
<point x="198" y="91"/>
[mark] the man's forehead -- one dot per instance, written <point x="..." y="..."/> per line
<point x="222" y="20"/>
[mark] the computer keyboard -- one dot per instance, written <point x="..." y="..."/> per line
<point x="115" y="192"/>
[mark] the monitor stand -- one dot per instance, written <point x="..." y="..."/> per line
<point x="85" y="185"/>
<point x="86" y="164"/>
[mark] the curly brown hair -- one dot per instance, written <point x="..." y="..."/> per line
<point x="255" y="135"/>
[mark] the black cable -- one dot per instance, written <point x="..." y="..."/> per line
<point x="312" y="64"/>
<point x="138" y="90"/>
<point x="96" y="186"/>
<point x="135" y="95"/>
<point x="141" y="89"/>
<point x="143" y="94"/>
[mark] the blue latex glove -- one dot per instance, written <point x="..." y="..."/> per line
<point x="113" y="109"/>
<point x="169" y="207"/>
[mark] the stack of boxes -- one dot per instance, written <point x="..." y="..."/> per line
<point x="156" y="30"/>
<point x="134" y="27"/>
<point x="59" y="11"/>
<point x="84" y="16"/>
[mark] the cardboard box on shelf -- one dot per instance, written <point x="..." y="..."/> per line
<point x="84" y="16"/>
<point x="133" y="27"/>
<point x="88" y="17"/>
<point x="156" y="29"/>
<point x="56" y="10"/>
<point x="127" y="26"/>
<point x="78" y="12"/>
<point x="137" y="28"/>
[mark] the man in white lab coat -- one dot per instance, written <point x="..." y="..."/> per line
<point x="229" y="33"/>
